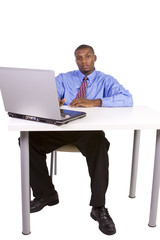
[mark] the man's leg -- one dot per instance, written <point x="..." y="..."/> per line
<point x="95" y="147"/>
<point x="41" y="143"/>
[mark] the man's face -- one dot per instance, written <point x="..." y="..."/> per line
<point x="85" y="60"/>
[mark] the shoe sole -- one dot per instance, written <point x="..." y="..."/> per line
<point x="105" y="232"/>
<point x="51" y="203"/>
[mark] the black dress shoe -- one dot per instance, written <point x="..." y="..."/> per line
<point x="38" y="203"/>
<point x="106" y="224"/>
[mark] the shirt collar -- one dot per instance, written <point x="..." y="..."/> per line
<point x="90" y="76"/>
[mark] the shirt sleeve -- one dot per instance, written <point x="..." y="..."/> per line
<point x="115" y="95"/>
<point x="60" y="86"/>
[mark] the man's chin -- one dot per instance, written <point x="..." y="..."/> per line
<point x="85" y="71"/>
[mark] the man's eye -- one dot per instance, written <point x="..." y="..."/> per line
<point x="88" y="56"/>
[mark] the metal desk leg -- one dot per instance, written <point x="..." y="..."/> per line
<point x="155" y="184"/>
<point x="25" y="182"/>
<point x="53" y="159"/>
<point x="134" y="168"/>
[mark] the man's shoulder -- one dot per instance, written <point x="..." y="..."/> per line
<point x="69" y="74"/>
<point x="103" y="75"/>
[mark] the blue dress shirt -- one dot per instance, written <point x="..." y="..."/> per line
<point x="99" y="86"/>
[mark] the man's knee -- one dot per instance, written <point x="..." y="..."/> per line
<point x="98" y="139"/>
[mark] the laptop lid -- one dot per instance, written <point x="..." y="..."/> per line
<point x="30" y="92"/>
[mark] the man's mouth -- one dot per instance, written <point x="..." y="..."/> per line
<point x="85" y="66"/>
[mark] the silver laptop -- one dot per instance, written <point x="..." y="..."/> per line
<point x="32" y="95"/>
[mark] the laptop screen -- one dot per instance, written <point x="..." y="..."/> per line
<point x="30" y="92"/>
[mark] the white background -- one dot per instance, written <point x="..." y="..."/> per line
<point x="125" y="36"/>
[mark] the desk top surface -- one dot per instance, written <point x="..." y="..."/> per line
<point x="137" y="117"/>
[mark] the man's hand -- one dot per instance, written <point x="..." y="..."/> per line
<point x="61" y="102"/>
<point x="83" y="102"/>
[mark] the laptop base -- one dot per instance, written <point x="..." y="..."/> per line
<point x="75" y="115"/>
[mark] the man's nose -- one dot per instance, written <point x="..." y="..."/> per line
<point x="83" y="60"/>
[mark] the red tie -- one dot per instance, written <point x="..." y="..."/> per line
<point x="82" y="89"/>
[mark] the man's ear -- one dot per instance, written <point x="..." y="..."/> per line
<point x="95" y="58"/>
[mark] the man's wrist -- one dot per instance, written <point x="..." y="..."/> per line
<point x="97" y="102"/>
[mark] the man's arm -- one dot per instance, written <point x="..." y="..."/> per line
<point x="115" y="95"/>
<point x="83" y="102"/>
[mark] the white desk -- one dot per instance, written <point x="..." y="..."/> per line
<point x="136" y="118"/>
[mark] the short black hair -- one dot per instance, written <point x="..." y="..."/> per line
<point x="83" y="46"/>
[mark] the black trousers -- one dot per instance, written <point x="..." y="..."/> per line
<point x="92" y="144"/>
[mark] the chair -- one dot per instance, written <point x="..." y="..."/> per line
<point x="65" y="148"/>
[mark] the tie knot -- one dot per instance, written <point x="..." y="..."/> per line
<point x="85" y="78"/>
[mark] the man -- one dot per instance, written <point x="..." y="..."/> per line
<point x="85" y="87"/>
